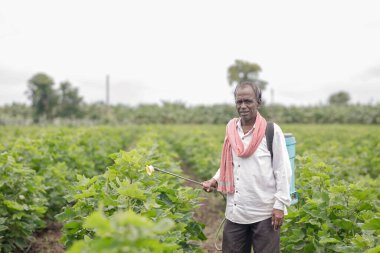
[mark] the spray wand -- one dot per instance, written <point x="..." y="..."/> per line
<point x="150" y="169"/>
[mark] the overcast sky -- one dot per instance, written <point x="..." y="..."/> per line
<point x="172" y="50"/>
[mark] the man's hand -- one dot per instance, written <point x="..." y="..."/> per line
<point x="210" y="185"/>
<point x="277" y="218"/>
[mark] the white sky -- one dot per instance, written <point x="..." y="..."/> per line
<point x="175" y="50"/>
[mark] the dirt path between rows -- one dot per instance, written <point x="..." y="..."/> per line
<point x="48" y="239"/>
<point x="210" y="213"/>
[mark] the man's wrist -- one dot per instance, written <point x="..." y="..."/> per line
<point x="279" y="205"/>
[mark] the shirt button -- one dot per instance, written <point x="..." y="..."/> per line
<point x="234" y="204"/>
<point x="237" y="178"/>
<point x="238" y="165"/>
<point x="236" y="191"/>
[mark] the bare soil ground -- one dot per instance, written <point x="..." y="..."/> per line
<point x="210" y="213"/>
<point x="47" y="240"/>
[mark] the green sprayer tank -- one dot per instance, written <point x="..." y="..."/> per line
<point x="291" y="147"/>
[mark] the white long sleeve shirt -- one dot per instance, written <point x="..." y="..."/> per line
<point x="260" y="185"/>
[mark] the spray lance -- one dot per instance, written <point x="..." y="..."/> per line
<point x="150" y="169"/>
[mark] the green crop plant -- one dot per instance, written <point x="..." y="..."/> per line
<point x="331" y="215"/>
<point x="126" y="186"/>
<point x="22" y="204"/>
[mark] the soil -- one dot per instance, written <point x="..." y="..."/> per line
<point x="210" y="213"/>
<point x="47" y="240"/>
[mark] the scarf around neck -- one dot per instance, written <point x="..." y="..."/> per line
<point x="232" y="141"/>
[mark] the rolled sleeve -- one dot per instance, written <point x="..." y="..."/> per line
<point x="217" y="175"/>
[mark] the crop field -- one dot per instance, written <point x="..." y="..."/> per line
<point x="93" y="181"/>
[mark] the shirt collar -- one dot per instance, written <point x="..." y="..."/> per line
<point x="239" y="127"/>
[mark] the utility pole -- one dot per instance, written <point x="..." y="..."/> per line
<point x="107" y="90"/>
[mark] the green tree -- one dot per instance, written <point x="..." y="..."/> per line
<point x="245" y="71"/>
<point x="339" y="98"/>
<point x="69" y="101"/>
<point x="43" y="96"/>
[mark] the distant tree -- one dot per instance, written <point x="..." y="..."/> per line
<point x="245" y="71"/>
<point x="43" y="96"/>
<point x="69" y="101"/>
<point x="339" y="98"/>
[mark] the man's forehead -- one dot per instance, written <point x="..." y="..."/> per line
<point x="245" y="92"/>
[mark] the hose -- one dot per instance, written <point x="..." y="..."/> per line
<point x="220" y="227"/>
<point x="217" y="234"/>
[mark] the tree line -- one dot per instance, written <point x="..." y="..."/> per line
<point x="65" y="105"/>
<point x="179" y="113"/>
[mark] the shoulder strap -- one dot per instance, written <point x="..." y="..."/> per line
<point x="269" y="132"/>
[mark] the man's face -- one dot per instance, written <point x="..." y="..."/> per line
<point x="246" y="104"/>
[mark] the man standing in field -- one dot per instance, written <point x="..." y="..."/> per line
<point x="257" y="185"/>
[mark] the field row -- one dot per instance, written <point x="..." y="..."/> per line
<point x="93" y="180"/>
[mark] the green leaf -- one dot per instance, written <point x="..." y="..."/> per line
<point x="14" y="205"/>
<point x="374" y="250"/>
<point x="72" y="224"/>
<point x="338" y="189"/>
<point x="326" y="240"/>
<point x="131" y="190"/>
<point x="362" y="241"/>
<point x="78" y="247"/>
<point x="91" y="191"/>
<point x="3" y="220"/>
<point x="315" y="222"/>
<point x="2" y="228"/>
<point x="196" y="231"/>
<point x="163" y="225"/>
<point x="99" y="223"/>
<point x="344" y="223"/>
<point x="373" y="224"/>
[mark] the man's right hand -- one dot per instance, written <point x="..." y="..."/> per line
<point x="210" y="185"/>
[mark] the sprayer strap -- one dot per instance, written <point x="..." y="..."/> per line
<point x="269" y="132"/>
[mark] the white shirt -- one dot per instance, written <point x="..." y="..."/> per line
<point x="259" y="186"/>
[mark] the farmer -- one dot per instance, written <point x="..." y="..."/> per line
<point x="257" y="187"/>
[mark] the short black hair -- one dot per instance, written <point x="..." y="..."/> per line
<point x="254" y="87"/>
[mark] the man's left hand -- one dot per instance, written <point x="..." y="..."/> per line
<point x="277" y="218"/>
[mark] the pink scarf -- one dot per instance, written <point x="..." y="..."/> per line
<point x="233" y="141"/>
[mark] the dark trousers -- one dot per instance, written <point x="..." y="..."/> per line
<point x="239" y="238"/>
